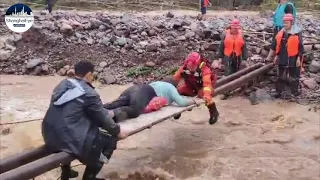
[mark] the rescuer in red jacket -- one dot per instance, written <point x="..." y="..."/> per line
<point x="198" y="80"/>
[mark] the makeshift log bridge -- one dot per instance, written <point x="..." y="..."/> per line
<point x="32" y="163"/>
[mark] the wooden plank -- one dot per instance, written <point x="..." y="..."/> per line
<point x="150" y="118"/>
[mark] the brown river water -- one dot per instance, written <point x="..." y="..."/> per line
<point x="273" y="140"/>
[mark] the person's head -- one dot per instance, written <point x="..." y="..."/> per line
<point x="192" y="61"/>
<point x="84" y="70"/>
<point x="234" y="26"/>
<point x="169" y="79"/>
<point x="288" y="21"/>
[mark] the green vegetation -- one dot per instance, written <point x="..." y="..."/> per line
<point x="139" y="71"/>
<point x="145" y="71"/>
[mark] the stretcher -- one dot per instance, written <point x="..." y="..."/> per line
<point x="147" y="120"/>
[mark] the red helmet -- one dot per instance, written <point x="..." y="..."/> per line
<point x="288" y="17"/>
<point x="193" y="59"/>
<point x="235" y="24"/>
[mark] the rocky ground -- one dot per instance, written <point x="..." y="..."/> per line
<point x="274" y="140"/>
<point x="126" y="46"/>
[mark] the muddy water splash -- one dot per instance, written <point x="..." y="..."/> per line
<point x="275" y="140"/>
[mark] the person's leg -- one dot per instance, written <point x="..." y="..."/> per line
<point x="92" y="170"/>
<point x="139" y="99"/>
<point x="50" y="5"/>
<point x="213" y="111"/>
<point x="294" y="75"/>
<point x="229" y="69"/>
<point x="280" y="84"/>
<point x="119" y="102"/>
<point x="204" y="13"/>
<point x="67" y="172"/>
<point x="91" y="158"/>
<point x="122" y="100"/>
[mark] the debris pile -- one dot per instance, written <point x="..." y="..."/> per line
<point x="128" y="46"/>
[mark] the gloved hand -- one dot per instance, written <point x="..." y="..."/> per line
<point x="207" y="99"/>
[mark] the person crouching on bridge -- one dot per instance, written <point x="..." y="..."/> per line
<point x="232" y="50"/>
<point x="71" y="124"/>
<point x="288" y="48"/>
<point x="198" y="80"/>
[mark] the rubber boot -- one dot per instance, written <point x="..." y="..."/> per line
<point x="279" y="87"/>
<point x="294" y="85"/>
<point x="67" y="172"/>
<point x="177" y="116"/>
<point x="214" y="114"/>
<point x="91" y="172"/>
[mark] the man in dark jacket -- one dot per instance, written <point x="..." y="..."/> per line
<point x="72" y="122"/>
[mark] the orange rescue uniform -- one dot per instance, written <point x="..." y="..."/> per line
<point x="200" y="83"/>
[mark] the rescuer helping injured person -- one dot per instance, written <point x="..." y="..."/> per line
<point x="134" y="100"/>
<point x="232" y="50"/>
<point x="288" y="48"/>
<point x="198" y="80"/>
<point x="72" y="122"/>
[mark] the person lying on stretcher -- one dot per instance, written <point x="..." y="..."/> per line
<point x="144" y="98"/>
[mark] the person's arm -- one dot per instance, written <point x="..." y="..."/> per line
<point x="180" y="100"/>
<point x="177" y="76"/>
<point x="244" y="50"/>
<point x="272" y="51"/>
<point x="100" y="115"/>
<point x="301" y="47"/>
<point x="288" y="9"/>
<point x="207" y="85"/>
<point x="221" y="47"/>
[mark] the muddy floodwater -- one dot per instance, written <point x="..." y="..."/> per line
<point x="273" y="140"/>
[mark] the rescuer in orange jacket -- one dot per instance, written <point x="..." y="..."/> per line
<point x="288" y="48"/>
<point x="198" y="80"/>
<point x="232" y="50"/>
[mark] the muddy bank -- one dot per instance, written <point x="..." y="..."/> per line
<point x="127" y="46"/>
<point x="272" y="140"/>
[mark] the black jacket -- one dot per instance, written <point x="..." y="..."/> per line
<point x="72" y="122"/>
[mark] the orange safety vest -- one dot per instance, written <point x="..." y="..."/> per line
<point x="233" y="43"/>
<point x="292" y="44"/>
